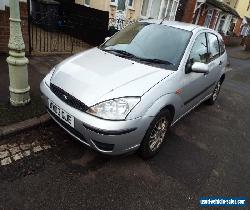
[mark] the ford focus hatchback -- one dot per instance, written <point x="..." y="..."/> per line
<point x="125" y="94"/>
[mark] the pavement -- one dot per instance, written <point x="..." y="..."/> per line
<point x="238" y="52"/>
<point x="11" y="116"/>
<point x="207" y="154"/>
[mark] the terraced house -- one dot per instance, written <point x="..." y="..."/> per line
<point x="46" y="28"/>
<point x="135" y="9"/>
<point x="216" y="14"/>
<point x="243" y="8"/>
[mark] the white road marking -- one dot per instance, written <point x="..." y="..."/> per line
<point x="9" y="153"/>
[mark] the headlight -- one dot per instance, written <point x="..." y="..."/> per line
<point x="115" y="109"/>
<point x="48" y="76"/>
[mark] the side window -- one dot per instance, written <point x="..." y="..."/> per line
<point x="214" y="47"/>
<point x="222" y="46"/>
<point x="199" y="51"/>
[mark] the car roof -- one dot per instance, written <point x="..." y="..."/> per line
<point x="176" y="24"/>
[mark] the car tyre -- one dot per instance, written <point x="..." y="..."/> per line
<point x="155" y="135"/>
<point x="215" y="94"/>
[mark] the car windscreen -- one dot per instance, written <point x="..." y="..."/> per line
<point x="153" y="44"/>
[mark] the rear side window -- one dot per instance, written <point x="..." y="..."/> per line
<point x="214" y="47"/>
<point x="222" y="47"/>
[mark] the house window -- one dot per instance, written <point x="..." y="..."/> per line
<point x="155" y="9"/>
<point x="121" y="5"/>
<point x="221" y="23"/>
<point x="159" y="9"/>
<point x="145" y="7"/>
<point x="113" y="2"/>
<point x="130" y="3"/>
<point x="208" y="18"/>
<point x="87" y="2"/>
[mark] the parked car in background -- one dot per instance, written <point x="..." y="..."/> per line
<point x="124" y="95"/>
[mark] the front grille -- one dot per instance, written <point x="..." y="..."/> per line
<point x="68" y="127"/>
<point x="67" y="98"/>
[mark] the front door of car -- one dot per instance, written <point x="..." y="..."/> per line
<point x="215" y="62"/>
<point x="194" y="85"/>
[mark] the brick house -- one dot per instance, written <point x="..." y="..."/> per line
<point x="213" y="14"/>
<point x="136" y="9"/>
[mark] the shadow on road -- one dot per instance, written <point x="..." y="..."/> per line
<point x="184" y="161"/>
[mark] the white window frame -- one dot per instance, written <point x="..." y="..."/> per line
<point x="132" y="5"/>
<point x="172" y="13"/>
<point x="198" y="7"/>
<point x="211" y="16"/>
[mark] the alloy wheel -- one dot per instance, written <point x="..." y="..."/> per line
<point x="158" y="134"/>
<point x="216" y="91"/>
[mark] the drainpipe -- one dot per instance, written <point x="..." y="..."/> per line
<point x="18" y="72"/>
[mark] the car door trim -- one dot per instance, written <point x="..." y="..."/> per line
<point x="198" y="94"/>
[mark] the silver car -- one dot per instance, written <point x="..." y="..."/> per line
<point x="125" y="94"/>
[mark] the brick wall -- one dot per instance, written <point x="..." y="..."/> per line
<point x="189" y="11"/>
<point x="5" y="29"/>
<point x="203" y="15"/>
<point x="237" y="28"/>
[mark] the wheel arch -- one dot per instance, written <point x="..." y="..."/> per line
<point x="171" y="110"/>
<point x="172" y="102"/>
<point x="222" y="78"/>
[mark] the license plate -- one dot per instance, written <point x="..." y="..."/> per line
<point x="61" y="113"/>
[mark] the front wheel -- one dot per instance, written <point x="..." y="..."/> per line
<point x="215" y="94"/>
<point x="155" y="135"/>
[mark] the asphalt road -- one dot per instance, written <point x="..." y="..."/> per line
<point x="207" y="154"/>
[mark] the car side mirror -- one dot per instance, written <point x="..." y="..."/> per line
<point x="198" y="67"/>
<point x="107" y="38"/>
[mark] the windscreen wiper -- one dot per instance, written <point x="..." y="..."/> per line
<point x="155" y="60"/>
<point x="122" y="52"/>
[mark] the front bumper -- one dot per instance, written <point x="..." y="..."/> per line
<point x="105" y="136"/>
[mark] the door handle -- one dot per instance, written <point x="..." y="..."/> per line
<point x="220" y="63"/>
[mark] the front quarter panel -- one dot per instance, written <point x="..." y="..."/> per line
<point x="157" y="98"/>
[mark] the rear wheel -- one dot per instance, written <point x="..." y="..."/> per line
<point x="215" y="94"/>
<point x="155" y="135"/>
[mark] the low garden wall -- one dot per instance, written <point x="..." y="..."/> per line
<point x="247" y="44"/>
<point x="232" y="41"/>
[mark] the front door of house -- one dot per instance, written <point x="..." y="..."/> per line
<point x="121" y="7"/>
